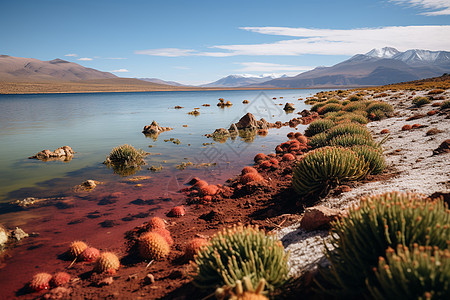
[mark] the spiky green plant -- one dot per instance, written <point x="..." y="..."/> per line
<point x="239" y="252"/>
<point x="349" y="140"/>
<point x="374" y="156"/>
<point x="419" y="273"/>
<point x="332" y="100"/>
<point x="316" y="106"/>
<point x="352" y="106"/>
<point x="380" y="221"/>
<point x="352" y="117"/>
<point x="323" y="168"/>
<point x="125" y="155"/>
<point x="329" y="107"/>
<point x="348" y="128"/>
<point x="420" y="101"/>
<point x="318" y="126"/>
<point x="381" y="109"/>
<point x="354" y="98"/>
<point x="318" y="140"/>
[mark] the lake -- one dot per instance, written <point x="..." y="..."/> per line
<point x="92" y="124"/>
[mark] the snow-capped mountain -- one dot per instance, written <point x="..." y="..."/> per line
<point x="238" y="80"/>
<point x="376" y="67"/>
<point x="423" y="56"/>
<point x="386" y="52"/>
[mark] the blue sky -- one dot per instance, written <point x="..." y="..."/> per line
<point x="197" y="42"/>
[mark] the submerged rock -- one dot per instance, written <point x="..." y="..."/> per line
<point x="62" y="153"/>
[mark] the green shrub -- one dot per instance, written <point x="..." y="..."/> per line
<point x="352" y="117"/>
<point x="345" y="102"/>
<point x="350" y="140"/>
<point x="316" y="106"/>
<point x="373" y="156"/>
<point x="318" y="126"/>
<point x="126" y="155"/>
<point x="332" y="100"/>
<point x="348" y="128"/>
<point x="323" y="168"/>
<point x="354" y="98"/>
<point x="420" y="101"/>
<point x="318" y="140"/>
<point x="240" y="252"/>
<point x="381" y="221"/>
<point x="352" y="106"/>
<point x="422" y="273"/>
<point x="445" y="104"/>
<point x="125" y="160"/>
<point x="329" y="107"/>
<point x="380" y="109"/>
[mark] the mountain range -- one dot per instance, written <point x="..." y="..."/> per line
<point x="376" y="67"/>
<point x="241" y="80"/>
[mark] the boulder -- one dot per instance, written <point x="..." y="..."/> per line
<point x="289" y="107"/>
<point x="444" y="147"/>
<point x="247" y="122"/>
<point x="305" y="113"/>
<point x="318" y="217"/>
<point x="233" y="129"/>
<point x="263" y="124"/>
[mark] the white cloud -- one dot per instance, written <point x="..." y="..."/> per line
<point x="270" y="67"/>
<point x="433" y="7"/>
<point x="71" y="54"/>
<point x="169" y="52"/>
<point x="327" y="41"/>
<point x="120" y="71"/>
<point x="85" y="59"/>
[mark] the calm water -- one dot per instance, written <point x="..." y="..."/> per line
<point x="92" y="124"/>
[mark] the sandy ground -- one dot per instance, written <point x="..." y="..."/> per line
<point x="409" y="155"/>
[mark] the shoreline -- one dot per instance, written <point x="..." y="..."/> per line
<point x="32" y="88"/>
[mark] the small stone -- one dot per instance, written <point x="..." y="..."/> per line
<point x="106" y="281"/>
<point x="58" y="293"/>
<point x="149" y="279"/>
<point x="318" y="217"/>
<point x="18" y="234"/>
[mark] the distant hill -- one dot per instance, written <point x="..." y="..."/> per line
<point x="239" y="80"/>
<point x="377" y="67"/>
<point x="19" y="69"/>
<point x="160" y="81"/>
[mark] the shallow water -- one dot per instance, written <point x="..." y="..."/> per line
<point x="92" y="124"/>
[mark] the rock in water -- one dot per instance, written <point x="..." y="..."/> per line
<point x="247" y="122"/>
<point x="64" y="152"/>
<point x="289" y="107"/>
<point x="154" y="128"/>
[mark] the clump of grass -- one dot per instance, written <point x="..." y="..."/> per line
<point x="354" y="98"/>
<point x="380" y="109"/>
<point x="352" y="117"/>
<point x="323" y="168"/>
<point x="380" y="221"/>
<point x="125" y="160"/>
<point x="329" y="107"/>
<point x="316" y="106"/>
<point x="318" y="126"/>
<point x="420" y="101"/>
<point x="352" y="106"/>
<point x="373" y="156"/>
<point x="239" y="252"/>
<point x="436" y="91"/>
<point x="419" y="273"/>
<point x="126" y="155"/>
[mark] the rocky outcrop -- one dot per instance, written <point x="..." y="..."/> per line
<point x="289" y="107"/>
<point x="247" y="122"/>
<point x="63" y="153"/>
<point x="154" y="128"/>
